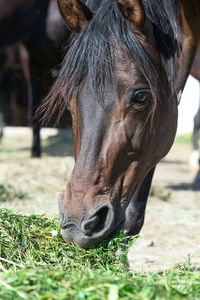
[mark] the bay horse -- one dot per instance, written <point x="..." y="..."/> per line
<point x="121" y="79"/>
<point x="15" y="86"/>
<point x="38" y="25"/>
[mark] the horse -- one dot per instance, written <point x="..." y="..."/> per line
<point x="1" y="125"/>
<point x="39" y="26"/>
<point x="194" y="158"/>
<point x="122" y="79"/>
<point x="15" y="86"/>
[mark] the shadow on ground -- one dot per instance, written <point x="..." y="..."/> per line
<point x="185" y="187"/>
<point x="59" y="145"/>
<point x="192" y="186"/>
<point x="172" y="162"/>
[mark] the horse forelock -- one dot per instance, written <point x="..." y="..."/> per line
<point x="90" y="53"/>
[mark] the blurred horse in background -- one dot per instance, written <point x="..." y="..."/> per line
<point x="15" y="86"/>
<point x="38" y="25"/>
<point x="195" y="156"/>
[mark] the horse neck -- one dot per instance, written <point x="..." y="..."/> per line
<point x="195" y="70"/>
<point x="189" y="19"/>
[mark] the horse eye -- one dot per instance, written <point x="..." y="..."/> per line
<point x="140" y="96"/>
<point x="137" y="99"/>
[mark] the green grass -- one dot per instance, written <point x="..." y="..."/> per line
<point x="184" y="139"/>
<point x="39" y="265"/>
<point x="98" y="284"/>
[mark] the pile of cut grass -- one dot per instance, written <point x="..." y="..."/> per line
<point x="160" y="193"/>
<point x="37" y="264"/>
<point x="36" y="241"/>
<point x="9" y="193"/>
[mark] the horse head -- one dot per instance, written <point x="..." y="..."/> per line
<point x="117" y="80"/>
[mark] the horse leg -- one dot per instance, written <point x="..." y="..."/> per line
<point x="36" y="147"/>
<point x="34" y="120"/>
<point x="30" y="74"/>
<point x="194" y="157"/>
<point x="1" y="124"/>
<point x="136" y="210"/>
<point x="195" y="143"/>
<point x="196" y="130"/>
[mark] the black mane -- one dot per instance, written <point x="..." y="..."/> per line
<point x="90" y="53"/>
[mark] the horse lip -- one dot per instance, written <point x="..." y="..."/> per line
<point x="69" y="224"/>
<point x="64" y="221"/>
<point x="73" y="230"/>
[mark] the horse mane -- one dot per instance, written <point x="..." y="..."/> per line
<point x="90" y="53"/>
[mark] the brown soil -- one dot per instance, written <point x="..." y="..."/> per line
<point x="170" y="235"/>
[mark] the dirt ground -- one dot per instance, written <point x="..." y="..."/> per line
<point x="170" y="235"/>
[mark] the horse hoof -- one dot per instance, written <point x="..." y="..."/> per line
<point x="35" y="154"/>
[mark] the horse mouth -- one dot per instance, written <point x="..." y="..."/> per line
<point x="73" y="233"/>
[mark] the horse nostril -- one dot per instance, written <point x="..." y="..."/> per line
<point x="98" y="221"/>
<point x="89" y="226"/>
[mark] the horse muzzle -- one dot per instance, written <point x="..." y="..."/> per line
<point x="92" y="228"/>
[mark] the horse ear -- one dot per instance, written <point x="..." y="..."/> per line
<point x="132" y="10"/>
<point x="75" y="14"/>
